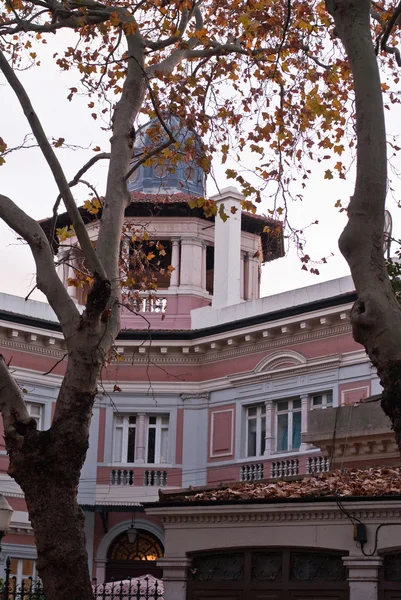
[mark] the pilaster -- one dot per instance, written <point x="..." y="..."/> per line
<point x="175" y="577"/>
<point x="363" y="575"/>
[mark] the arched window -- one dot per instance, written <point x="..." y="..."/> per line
<point x="146" y="547"/>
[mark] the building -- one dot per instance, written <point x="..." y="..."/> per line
<point x="221" y="388"/>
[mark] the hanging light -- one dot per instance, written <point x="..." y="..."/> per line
<point x="132" y="531"/>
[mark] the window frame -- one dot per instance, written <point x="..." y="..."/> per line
<point x="38" y="418"/>
<point x="290" y="412"/>
<point x="121" y="457"/>
<point x="19" y="575"/>
<point x="325" y="395"/>
<point x="260" y="415"/>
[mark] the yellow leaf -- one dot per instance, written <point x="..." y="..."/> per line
<point x="150" y="256"/>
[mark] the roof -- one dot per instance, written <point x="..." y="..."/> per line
<point x="377" y="482"/>
<point x="177" y="205"/>
<point x="190" y="334"/>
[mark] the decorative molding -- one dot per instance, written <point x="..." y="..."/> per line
<point x="271" y="513"/>
<point x="231" y="449"/>
<point x="274" y="358"/>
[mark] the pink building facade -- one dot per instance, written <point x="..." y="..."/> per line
<point x="219" y="390"/>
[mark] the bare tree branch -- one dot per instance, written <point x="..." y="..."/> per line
<point x="72" y="183"/>
<point x="56" y="169"/>
<point x="387" y="32"/>
<point x="47" y="279"/>
<point x="12" y="406"/>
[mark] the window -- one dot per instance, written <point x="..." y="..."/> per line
<point x="255" y="430"/>
<point x="322" y="400"/>
<point x="157" y="440"/>
<point x="288" y="425"/>
<point x="35" y="411"/>
<point x="141" y="438"/>
<point x="22" y="569"/>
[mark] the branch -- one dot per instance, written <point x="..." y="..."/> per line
<point x="16" y="419"/>
<point x="86" y="245"/>
<point x="117" y="197"/>
<point x="46" y="276"/>
<point x="72" y="183"/>
<point x="387" y="32"/>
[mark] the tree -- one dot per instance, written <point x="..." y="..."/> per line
<point x="376" y="315"/>
<point x="248" y="75"/>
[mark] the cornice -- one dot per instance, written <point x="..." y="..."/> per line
<point x="166" y="354"/>
<point x="277" y="513"/>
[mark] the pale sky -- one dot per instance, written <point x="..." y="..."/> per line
<point x="26" y="179"/>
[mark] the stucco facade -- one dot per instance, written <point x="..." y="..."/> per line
<point x="220" y="389"/>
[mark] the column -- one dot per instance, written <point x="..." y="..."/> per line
<point x="72" y="290"/>
<point x="247" y="292"/>
<point x="100" y="570"/>
<point x="227" y="249"/>
<point x="191" y="265"/>
<point x="174" y="577"/>
<point x="363" y="575"/>
<point x="175" y="262"/>
<point x="203" y="274"/>
<point x="140" y="450"/>
<point x="242" y="276"/>
<point x="304" y="420"/>
<point x="269" y="443"/>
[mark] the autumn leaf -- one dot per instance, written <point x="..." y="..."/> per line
<point x="328" y="174"/>
<point x="63" y="233"/>
<point x="150" y="255"/>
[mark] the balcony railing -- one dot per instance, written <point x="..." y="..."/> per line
<point x="155" y="478"/>
<point x="317" y="464"/>
<point x="148" y="304"/>
<point x="251" y="472"/>
<point x="285" y="468"/>
<point x="122" y="477"/>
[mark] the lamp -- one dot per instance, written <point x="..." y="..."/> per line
<point x="132" y="531"/>
<point x="5" y="517"/>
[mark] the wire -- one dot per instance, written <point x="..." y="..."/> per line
<point x="376" y="538"/>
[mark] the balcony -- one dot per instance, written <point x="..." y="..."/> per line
<point x="354" y="435"/>
<point x="157" y="478"/>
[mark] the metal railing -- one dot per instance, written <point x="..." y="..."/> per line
<point x="143" y="588"/>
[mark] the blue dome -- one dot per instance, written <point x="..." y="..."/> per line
<point x="184" y="176"/>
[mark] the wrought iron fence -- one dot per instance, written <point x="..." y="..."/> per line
<point x="143" y="588"/>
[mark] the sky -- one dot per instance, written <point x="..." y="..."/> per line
<point x="26" y="179"/>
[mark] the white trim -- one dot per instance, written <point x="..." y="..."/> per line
<point x="297" y="359"/>
<point x="363" y="387"/>
<point x="101" y="554"/>
<point x="231" y="453"/>
<point x="19" y="551"/>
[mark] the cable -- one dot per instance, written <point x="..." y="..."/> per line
<point x="376" y="538"/>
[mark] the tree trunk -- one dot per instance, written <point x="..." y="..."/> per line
<point x="376" y="315"/>
<point x="58" y="523"/>
<point x="47" y="466"/>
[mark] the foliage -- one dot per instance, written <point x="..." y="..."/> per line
<point x="264" y="77"/>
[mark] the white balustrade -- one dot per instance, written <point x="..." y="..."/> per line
<point x="317" y="464"/>
<point x="285" y="468"/>
<point x="251" y="472"/>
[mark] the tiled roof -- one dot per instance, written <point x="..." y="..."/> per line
<point x="378" y="481"/>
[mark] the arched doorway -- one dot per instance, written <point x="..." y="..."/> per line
<point x="126" y="559"/>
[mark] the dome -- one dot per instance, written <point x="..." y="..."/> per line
<point x="178" y="176"/>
